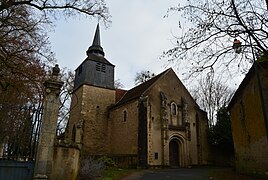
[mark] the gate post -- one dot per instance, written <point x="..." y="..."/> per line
<point x="44" y="158"/>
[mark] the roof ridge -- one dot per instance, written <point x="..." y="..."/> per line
<point x="139" y="90"/>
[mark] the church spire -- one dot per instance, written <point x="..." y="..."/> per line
<point x="96" y="48"/>
<point x="96" y="40"/>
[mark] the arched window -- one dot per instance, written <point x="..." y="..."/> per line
<point x="173" y="109"/>
<point x="124" y="116"/>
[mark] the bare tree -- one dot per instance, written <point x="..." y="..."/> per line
<point x="25" y="56"/>
<point x="67" y="7"/>
<point x="118" y="84"/>
<point x="212" y="94"/>
<point x="143" y="76"/>
<point x="67" y="76"/>
<point x="212" y="30"/>
<point x="23" y="52"/>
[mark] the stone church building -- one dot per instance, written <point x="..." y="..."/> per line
<point x="158" y="122"/>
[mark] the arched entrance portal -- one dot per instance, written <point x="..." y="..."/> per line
<point x="174" y="160"/>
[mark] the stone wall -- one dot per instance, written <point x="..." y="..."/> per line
<point x="163" y="129"/>
<point x="65" y="163"/>
<point x="90" y="105"/>
<point x="248" y="128"/>
<point x="124" y="132"/>
<point x="202" y="144"/>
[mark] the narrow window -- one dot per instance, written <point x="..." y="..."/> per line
<point x="103" y="68"/>
<point x="98" y="67"/>
<point x="125" y="116"/>
<point x="174" y="109"/>
<point x="156" y="155"/>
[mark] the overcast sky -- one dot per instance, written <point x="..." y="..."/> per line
<point x="135" y="40"/>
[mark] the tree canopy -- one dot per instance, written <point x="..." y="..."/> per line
<point x="143" y="76"/>
<point x="209" y="29"/>
<point x="68" y="7"/>
<point x="25" y="57"/>
<point x="212" y="94"/>
<point x="220" y="135"/>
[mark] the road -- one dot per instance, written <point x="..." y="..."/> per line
<point x="195" y="173"/>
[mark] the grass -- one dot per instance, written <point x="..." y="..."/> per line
<point x="116" y="173"/>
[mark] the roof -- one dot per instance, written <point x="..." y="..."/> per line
<point x="96" y="40"/>
<point x="95" y="51"/>
<point x="249" y="75"/>
<point x="119" y="93"/>
<point x="96" y="48"/>
<point x="97" y="58"/>
<point x="137" y="91"/>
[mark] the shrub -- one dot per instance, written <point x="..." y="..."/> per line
<point x="107" y="161"/>
<point x="91" y="169"/>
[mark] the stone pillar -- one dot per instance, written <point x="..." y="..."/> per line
<point x="44" y="158"/>
<point x="164" y="128"/>
<point x="1" y="149"/>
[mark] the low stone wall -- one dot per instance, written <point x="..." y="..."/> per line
<point x="65" y="163"/>
<point x="121" y="160"/>
<point x="221" y="157"/>
<point x="125" y="161"/>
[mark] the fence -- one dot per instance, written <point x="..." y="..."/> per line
<point x="16" y="170"/>
<point x="19" y="136"/>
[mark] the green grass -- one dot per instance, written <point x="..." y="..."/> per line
<point x="116" y="173"/>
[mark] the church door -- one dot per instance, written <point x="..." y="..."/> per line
<point x="174" y="153"/>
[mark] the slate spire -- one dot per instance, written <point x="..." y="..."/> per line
<point x="96" y="48"/>
<point x="96" y="40"/>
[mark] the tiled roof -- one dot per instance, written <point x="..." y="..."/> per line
<point x="137" y="91"/>
<point x="119" y="93"/>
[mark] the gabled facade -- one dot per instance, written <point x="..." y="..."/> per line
<point x="249" y="108"/>
<point x="161" y="123"/>
<point x="158" y="122"/>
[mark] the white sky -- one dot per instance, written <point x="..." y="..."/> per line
<point x="135" y="40"/>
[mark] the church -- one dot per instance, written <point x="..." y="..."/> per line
<point x="157" y="122"/>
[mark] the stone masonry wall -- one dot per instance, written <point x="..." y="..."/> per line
<point x="90" y="105"/>
<point x="124" y="134"/>
<point x="174" y="91"/>
<point x="94" y="113"/>
<point x="65" y="163"/>
<point x="248" y="127"/>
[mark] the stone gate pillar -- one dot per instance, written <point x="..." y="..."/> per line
<point x="44" y="158"/>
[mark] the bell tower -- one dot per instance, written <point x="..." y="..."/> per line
<point x="95" y="70"/>
<point x="92" y="95"/>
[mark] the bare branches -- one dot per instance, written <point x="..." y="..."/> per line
<point x="65" y="100"/>
<point x="210" y="28"/>
<point x="143" y="76"/>
<point x="212" y="94"/>
<point x="89" y="8"/>
<point x="25" y="55"/>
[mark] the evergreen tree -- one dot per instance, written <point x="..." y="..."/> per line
<point x="220" y="135"/>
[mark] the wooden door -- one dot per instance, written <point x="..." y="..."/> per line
<point x="174" y="153"/>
